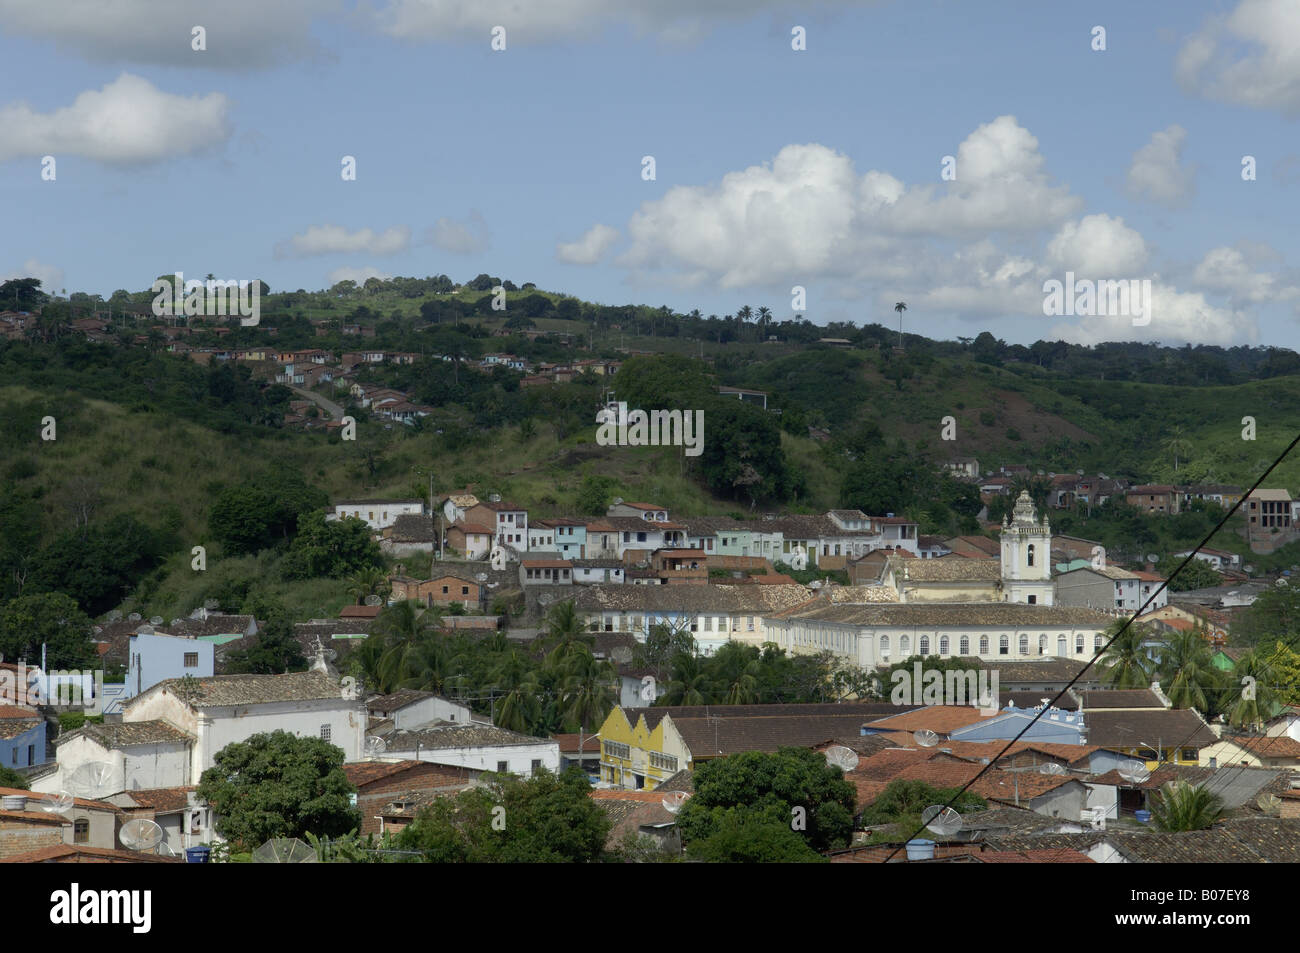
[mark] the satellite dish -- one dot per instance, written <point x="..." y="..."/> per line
<point x="374" y="600"/>
<point x="1153" y="557"/>
<point x="115" y="615"/>
<point x="941" y="820"/>
<point x="92" y="780"/>
<point x="925" y="738"/>
<point x="1051" y="767"/>
<point x="545" y="599"/>
<point x="165" y="851"/>
<point x="140" y="834"/>
<point x="1268" y="803"/>
<point x="1282" y="582"/>
<point x="843" y="758"/>
<point x="144" y="630"/>
<point x="60" y="802"/>
<point x="284" y="850"/>
<point x="375" y="745"/>
<point x="674" y="800"/>
<point x="210" y="604"/>
<point x="1248" y="569"/>
<point x="1078" y="473"/>
<point x="134" y="617"/>
<point x="156" y="620"/>
<point x="481" y="577"/>
<point x="1133" y="771"/>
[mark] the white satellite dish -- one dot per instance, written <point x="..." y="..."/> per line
<point x="374" y="600"/>
<point x="481" y="577"/>
<point x="284" y="850"/>
<point x="1133" y="771"/>
<point x="134" y="617"/>
<point x="1051" y="767"/>
<point x="210" y="604"/>
<point x="925" y="738"/>
<point x="1268" y="803"/>
<point x="375" y="745"/>
<point x="674" y="800"/>
<point x="841" y="757"/>
<point x="140" y="834"/>
<point x="1280" y="582"/>
<point x="92" y="780"/>
<point x="1153" y="557"/>
<point x="165" y="851"/>
<point x="60" y="802"/>
<point x="156" y="620"/>
<point x="941" y="820"/>
<point x="1248" y="569"/>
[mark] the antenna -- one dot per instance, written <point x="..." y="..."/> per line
<point x="1051" y="767"/>
<point x="284" y="850"/>
<point x="60" y="802"/>
<point x="92" y="780"/>
<point x="140" y="834"/>
<point x="841" y="757"/>
<point x="925" y="738"/>
<point x="375" y="745"/>
<point x="1133" y="771"/>
<point x="1153" y="557"/>
<point x="673" y="801"/>
<point x="941" y="820"/>
<point x="134" y="617"/>
<point x="210" y="604"/>
<point x="155" y="620"/>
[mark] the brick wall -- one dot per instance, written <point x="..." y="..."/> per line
<point x="373" y="797"/>
<point x="18" y="835"/>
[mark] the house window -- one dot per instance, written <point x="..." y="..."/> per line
<point x="13" y="754"/>
<point x="31" y="754"/>
<point x="616" y="749"/>
<point x="1024" y="645"/>
<point x="1004" y="645"/>
<point x="191" y="659"/>
<point x="464" y="590"/>
<point x="445" y="590"/>
<point x="943" y="645"/>
<point x="1189" y="754"/>
<point x="664" y="762"/>
<point x="1033" y="600"/>
<point x="1042" y="645"/>
<point x="537" y="765"/>
<point x="1078" y="644"/>
<point x="984" y="645"/>
<point x="81" y="831"/>
<point x="1060" y="645"/>
<point x="324" y="732"/>
<point x="904" y="645"/>
<point x="923" y="645"/>
<point x="884" y="646"/>
<point x="503" y="767"/>
<point x="964" y="645"/>
<point x="1030" y="559"/>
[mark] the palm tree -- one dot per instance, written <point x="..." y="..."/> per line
<point x="1177" y="445"/>
<point x="587" y="689"/>
<point x="1187" y="667"/>
<point x="688" y="684"/>
<point x="367" y="582"/>
<point x="1125" y="663"/>
<point x="520" y="707"/>
<point x="403" y="628"/>
<point x="900" y="307"/>
<point x="564" y="634"/>
<point x="1257" y="705"/>
<point x="1181" y="807"/>
<point x="764" y="317"/>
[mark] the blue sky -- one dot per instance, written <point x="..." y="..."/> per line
<point x="774" y="167"/>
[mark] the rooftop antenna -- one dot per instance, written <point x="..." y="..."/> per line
<point x="842" y="757"/>
<point x="673" y="801"/>
<point x="375" y="746"/>
<point x="60" y="802"/>
<point x="925" y="738"/>
<point x="140" y="834"/>
<point x="1133" y="771"/>
<point x="284" y="850"/>
<point x="1051" y="767"/>
<point x="92" y="780"/>
<point x="941" y="820"/>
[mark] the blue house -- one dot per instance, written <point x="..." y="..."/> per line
<point x="152" y="658"/>
<point x="1055" y="727"/>
<point x="22" y="737"/>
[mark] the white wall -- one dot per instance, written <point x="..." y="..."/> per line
<point x="519" y="757"/>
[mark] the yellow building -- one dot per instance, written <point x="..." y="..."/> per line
<point x="641" y="752"/>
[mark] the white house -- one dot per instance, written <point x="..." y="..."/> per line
<point x="1215" y="558"/>
<point x="480" y="746"/>
<point x="377" y="514"/>
<point x="141" y="754"/>
<point x="411" y="708"/>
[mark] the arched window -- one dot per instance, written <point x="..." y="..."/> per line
<point x="1078" y="644"/>
<point x="964" y="646"/>
<point x="1004" y="645"/>
<point x="1030" y="557"/>
<point x="904" y="645"/>
<point x="1042" y="645"/>
<point x="1060" y="646"/>
<point x="1096" y="643"/>
<point x="943" y="645"/>
<point x="884" y="646"/>
<point x="984" y="645"/>
<point x="1024" y="645"/>
<point x="923" y="645"/>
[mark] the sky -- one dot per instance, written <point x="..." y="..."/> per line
<point x="956" y="156"/>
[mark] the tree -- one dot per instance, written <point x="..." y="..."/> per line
<point x="1195" y="575"/>
<point x="593" y="496"/>
<point x="756" y="784"/>
<point x="411" y="653"/>
<point x="49" y="619"/>
<point x="543" y="819"/>
<point x="1273" y="617"/>
<point x="332" y="549"/>
<point x="1179" y="806"/>
<point x="1126" y="664"/>
<point x="900" y="307"/>
<point x="520" y="707"/>
<point x="753" y="837"/>
<point x="587" y="689"/>
<point x="275" y="652"/>
<point x="1177" y="445"/>
<point x="1187" y="668"/>
<point x="277" y="785"/>
<point x="902" y="802"/>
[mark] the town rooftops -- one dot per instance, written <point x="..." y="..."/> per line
<point x="950" y="614"/>
<point x="125" y="734"/>
<point x="81" y="854"/>
<point x="1146" y="727"/>
<point x="224" y="691"/>
<point x="941" y="719"/>
<point x="448" y="734"/>
<point x="375" y="502"/>
<point x="159" y="800"/>
<point x="945" y="570"/>
<point x="396" y="701"/>
<point x="1122" y="698"/>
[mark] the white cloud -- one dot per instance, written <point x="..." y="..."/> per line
<point x="334" y="239"/>
<point x="1098" y="247"/>
<point x="129" y="121"/>
<point x="676" y="20"/>
<point x="1250" y="57"/>
<point x="1176" y="317"/>
<point x="1157" y="173"/>
<point x="51" y="276"/>
<point x="1226" y="270"/>
<point x="359" y="275"/>
<point x="461" y="238"/>
<point x="240" y="33"/>
<point x="590" y="248"/>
